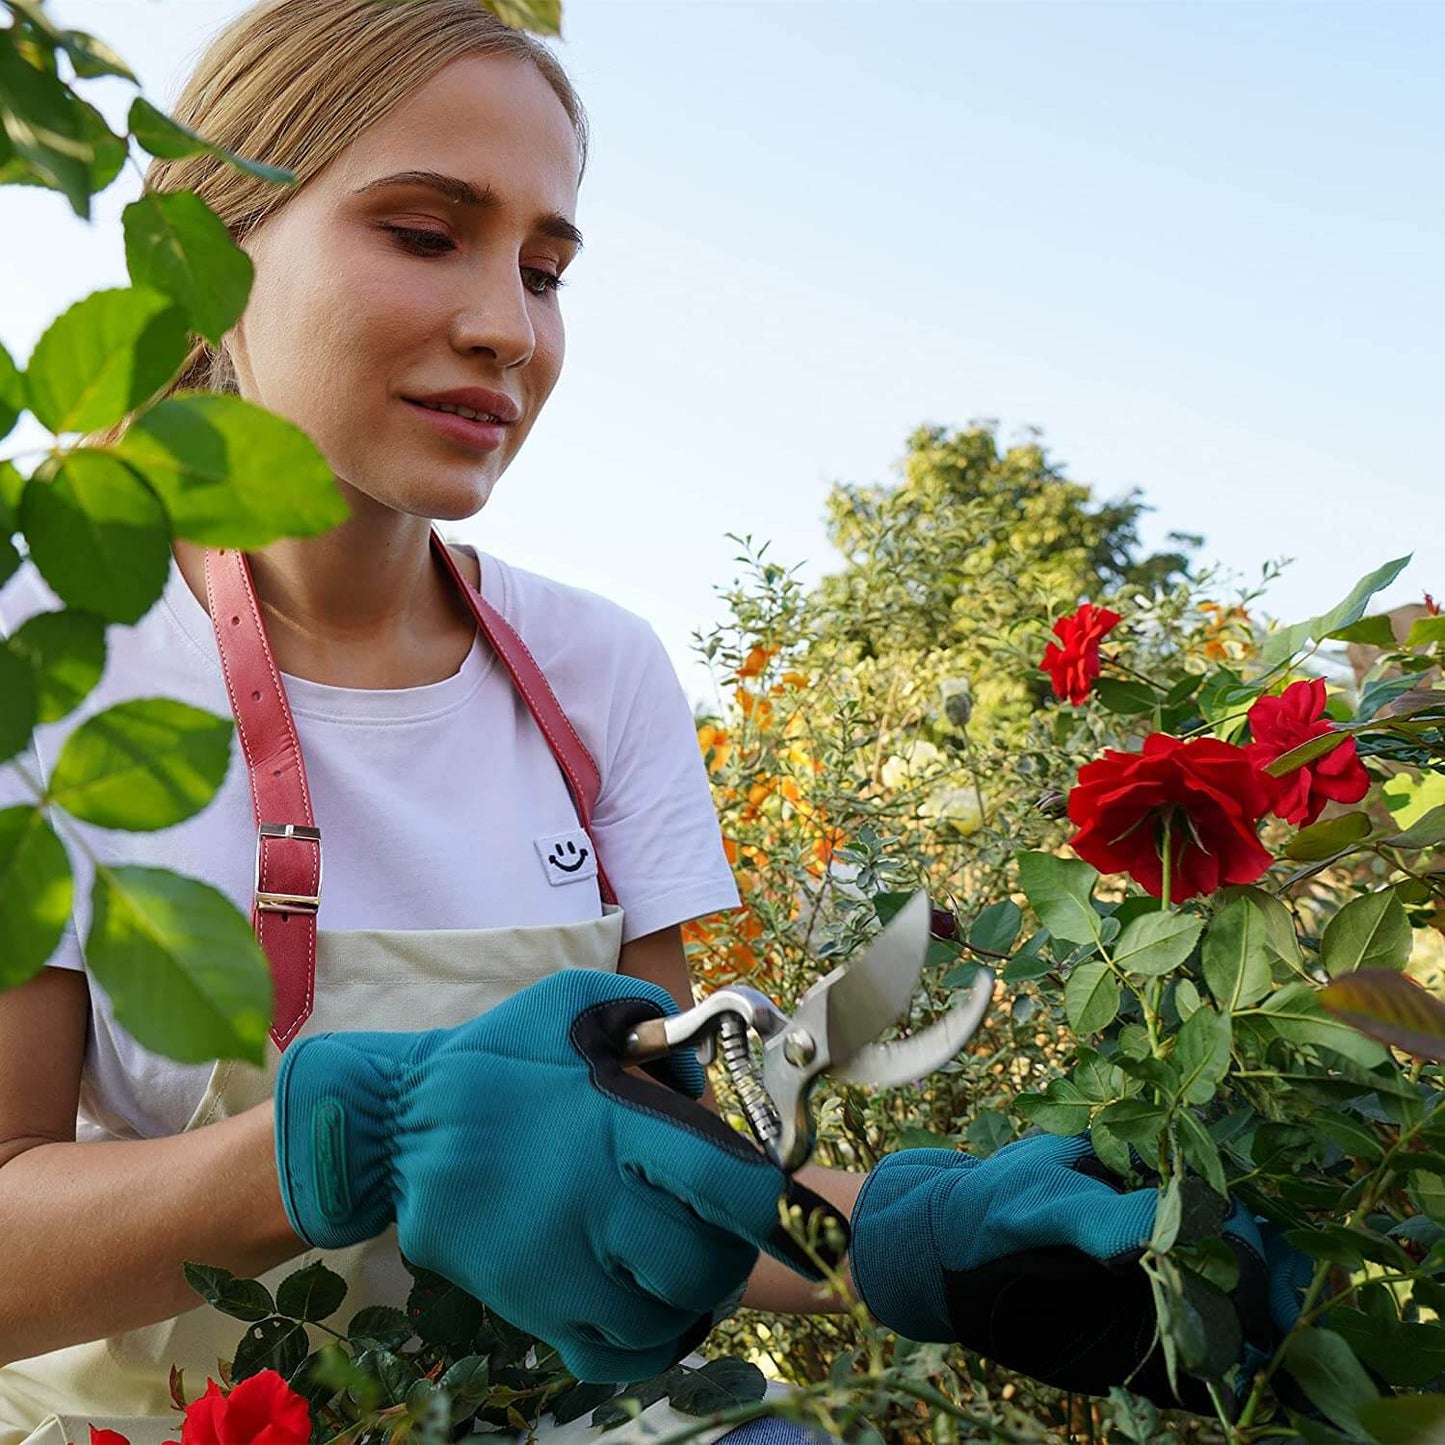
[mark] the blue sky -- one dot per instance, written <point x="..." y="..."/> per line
<point x="1198" y="245"/>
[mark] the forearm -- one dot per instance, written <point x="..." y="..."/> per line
<point x="95" y="1233"/>
<point x="775" y="1287"/>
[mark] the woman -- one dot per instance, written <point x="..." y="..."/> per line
<point x="492" y="810"/>
<point x="415" y="266"/>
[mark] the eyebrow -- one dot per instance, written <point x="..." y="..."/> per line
<point x="466" y="194"/>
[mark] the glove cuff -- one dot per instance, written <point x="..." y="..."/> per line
<point x="334" y="1105"/>
<point x="894" y="1254"/>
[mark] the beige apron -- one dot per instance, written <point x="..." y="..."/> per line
<point x="411" y="980"/>
<point x="428" y="979"/>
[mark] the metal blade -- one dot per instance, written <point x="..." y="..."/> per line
<point x="884" y="1065"/>
<point x="869" y="993"/>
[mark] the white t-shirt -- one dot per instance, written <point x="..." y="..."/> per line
<point x="439" y="806"/>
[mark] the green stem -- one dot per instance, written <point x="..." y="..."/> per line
<point x="1168" y="855"/>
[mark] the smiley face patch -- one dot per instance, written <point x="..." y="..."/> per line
<point x="567" y="857"/>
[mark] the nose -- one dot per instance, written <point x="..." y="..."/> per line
<point x="494" y="317"/>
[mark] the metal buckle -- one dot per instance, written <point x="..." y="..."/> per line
<point x="288" y="902"/>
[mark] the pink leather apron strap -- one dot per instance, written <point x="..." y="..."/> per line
<point x="288" y="843"/>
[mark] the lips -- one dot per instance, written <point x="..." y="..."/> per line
<point x="495" y="405"/>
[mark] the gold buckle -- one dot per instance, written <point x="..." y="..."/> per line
<point x="288" y="902"/>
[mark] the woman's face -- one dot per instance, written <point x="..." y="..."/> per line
<point x="373" y="293"/>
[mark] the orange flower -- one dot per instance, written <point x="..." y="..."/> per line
<point x="756" y="661"/>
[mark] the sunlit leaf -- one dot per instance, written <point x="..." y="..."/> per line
<point x="1390" y="1007"/>
<point x="181" y="964"/>
<point x="66" y="651"/>
<point x="92" y="57"/>
<point x="1286" y="643"/>
<point x="142" y="765"/>
<point x="1425" y="832"/>
<point x="12" y="393"/>
<point x="35" y="893"/>
<point x="44" y="124"/>
<point x="177" y="245"/>
<point x="1426" y="631"/>
<point x="102" y="358"/>
<point x="157" y="133"/>
<point x="98" y="534"/>
<point x="231" y="473"/>
<point x="1201" y="1054"/>
<point x="18" y="704"/>
<point x="544" y="17"/>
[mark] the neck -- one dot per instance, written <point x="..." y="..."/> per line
<point x="364" y="605"/>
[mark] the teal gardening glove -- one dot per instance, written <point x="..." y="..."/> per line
<point x="599" y="1212"/>
<point x="1030" y="1257"/>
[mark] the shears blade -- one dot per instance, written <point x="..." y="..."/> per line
<point x="867" y="994"/>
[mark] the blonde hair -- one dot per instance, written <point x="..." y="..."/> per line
<point x="294" y="82"/>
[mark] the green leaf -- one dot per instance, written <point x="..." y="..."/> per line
<point x="1328" y="837"/>
<point x="1201" y="1153"/>
<point x="1113" y="1152"/>
<point x="1426" y="631"/>
<point x="1286" y="643"/>
<point x="242" y="1299"/>
<point x="312" y="1292"/>
<point x="1368" y="932"/>
<point x="92" y="57"/>
<point x="98" y="535"/>
<point x="1060" y="891"/>
<point x="1410" y="798"/>
<point x="35" y="893"/>
<point x="98" y="361"/>
<point x="157" y="133"/>
<point x="1133" y="1120"/>
<point x="1343" y="1245"/>
<point x="989" y="1131"/>
<point x="66" y="653"/>
<point x="18" y="705"/>
<point x="1306" y="752"/>
<point x="1280" y="939"/>
<point x="232" y="474"/>
<point x="1326" y="1369"/>
<point x="719" y="1385"/>
<point x="544" y="17"/>
<point x="274" y="1344"/>
<point x="467" y="1380"/>
<point x="442" y="1313"/>
<point x="177" y="245"/>
<point x="12" y="393"/>
<point x="1297" y="1015"/>
<point x="997" y="927"/>
<point x="1425" y="832"/>
<point x="1091" y="997"/>
<point x="383" y="1325"/>
<point x="1405" y="1420"/>
<point x="1391" y="1007"/>
<point x="1157" y="943"/>
<point x="1024" y="967"/>
<point x="1201" y="1054"/>
<point x="45" y="126"/>
<point x="1373" y="631"/>
<point x="573" y="1404"/>
<point x="916" y="1137"/>
<point x="1128" y="699"/>
<point x="1235" y="958"/>
<point x="1060" y="1109"/>
<point x="142" y="765"/>
<point x="181" y="964"/>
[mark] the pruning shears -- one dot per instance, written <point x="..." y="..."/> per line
<point x="834" y="1030"/>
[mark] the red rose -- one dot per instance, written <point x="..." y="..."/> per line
<point x="107" y="1437"/>
<point x="1074" y="665"/>
<point x="1212" y="793"/>
<point x="261" y="1410"/>
<point x="1278" y="724"/>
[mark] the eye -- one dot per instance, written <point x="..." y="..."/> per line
<point x="420" y="242"/>
<point x="539" y="283"/>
